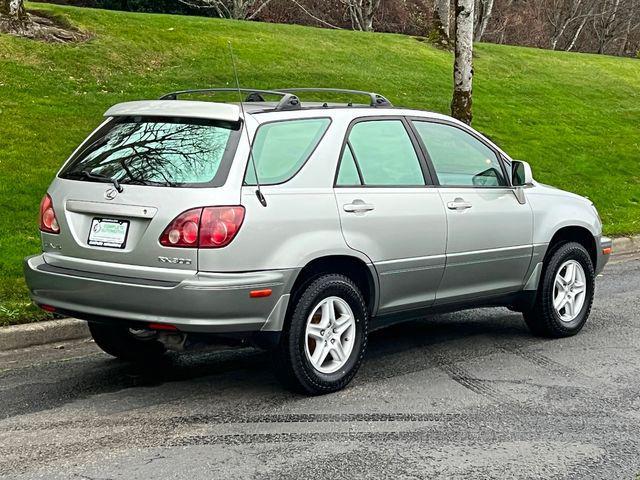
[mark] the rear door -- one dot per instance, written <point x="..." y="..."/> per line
<point x="389" y="211"/>
<point x="163" y="166"/>
<point x="489" y="232"/>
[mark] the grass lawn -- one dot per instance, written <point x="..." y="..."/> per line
<point x="574" y="117"/>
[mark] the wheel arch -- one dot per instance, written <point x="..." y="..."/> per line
<point x="574" y="233"/>
<point x="363" y="274"/>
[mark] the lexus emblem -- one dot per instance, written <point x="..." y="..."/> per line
<point x="110" y="194"/>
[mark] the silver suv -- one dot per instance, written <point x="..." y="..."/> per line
<point x="300" y="227"/>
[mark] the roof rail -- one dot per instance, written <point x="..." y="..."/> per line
<point x="375" y="99"/>
<point x="288" y="100"/>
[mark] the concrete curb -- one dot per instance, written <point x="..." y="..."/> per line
<point x="626" y="245"/>
<point x="51" y="331"/>
<point x="22" y="336"/>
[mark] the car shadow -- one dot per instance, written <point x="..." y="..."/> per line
<point x="391" y="352"/>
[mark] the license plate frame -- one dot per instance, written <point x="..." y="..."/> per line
<point x="114" y="236"/>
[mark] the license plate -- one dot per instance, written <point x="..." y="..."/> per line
<point x="108" y="232"/>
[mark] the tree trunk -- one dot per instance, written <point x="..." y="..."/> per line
<point x="463" y="64"/>
<point x="627" y="31"/>
<point x="441" y="19"/>
<point x="579" y="30"/>
<point x="13" y="17"/>
<point x="482" y="16"/>
<point x="362" y="13"/>
<point x="239" y="10"/>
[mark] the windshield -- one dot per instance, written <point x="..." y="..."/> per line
<point x="158" y="151"/>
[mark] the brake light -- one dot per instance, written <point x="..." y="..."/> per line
<point x="208" y="227"/>
<point x="48" y="220"/>
<point x="219" y="225"/>
<point x="183" y="230"/>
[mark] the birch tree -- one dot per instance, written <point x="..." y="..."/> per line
<point x="482" y="14"/>
<point x="564" y="15"/>
<point x="13" y="17"/>
<point x="362" y="13"/>
<point x="463" y="63"/>
<point x="442" y="19"/>
<point x="237" y="9"/>
<point x="606" y="25"/>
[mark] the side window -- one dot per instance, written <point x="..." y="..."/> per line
<point x="281" y="148"/>
<point x="384" y="154"/>
<point x="459" y="158"/>
<point x="348" y="174"/>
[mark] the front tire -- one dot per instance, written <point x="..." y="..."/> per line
<point x="565" y="293"/>
<point x="324" y="342"/>
<point x="120" y="343"/>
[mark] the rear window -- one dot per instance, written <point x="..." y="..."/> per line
<point x="280" y="149"/>
<point x="158" y="151"/>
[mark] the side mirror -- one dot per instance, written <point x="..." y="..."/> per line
<point x="521" y="174"/>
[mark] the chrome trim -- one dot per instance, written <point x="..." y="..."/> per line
<point x="119" y="210"/>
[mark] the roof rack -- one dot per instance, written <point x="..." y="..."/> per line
<point x="375" y="99"/>
<point x="288" y="100"/>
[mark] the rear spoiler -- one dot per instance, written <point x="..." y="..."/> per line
<point x="176" y="108"/>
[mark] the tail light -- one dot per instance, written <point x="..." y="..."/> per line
<point x="219" y="225"/>
<point x="208" y="227"/>
<point x="183" y="230"/>
<point x="48" y="220"/>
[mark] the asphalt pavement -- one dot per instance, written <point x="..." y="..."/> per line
<point x="463" y="395"/>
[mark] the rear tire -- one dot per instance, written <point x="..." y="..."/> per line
<point x="320" y="351"/>
<point x="565" y="293"/>
<point x="118" y="342"/>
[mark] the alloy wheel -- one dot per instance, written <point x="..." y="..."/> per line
<point x="330" y="335"/>
<point x="569" y="290"/>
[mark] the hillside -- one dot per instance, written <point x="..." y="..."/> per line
<point x="574" y="117"/>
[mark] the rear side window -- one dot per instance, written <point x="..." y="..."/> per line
<point x="348" y="174"/>
<point x="158" y="151"/>
<point x="384" y="155"/>
<point x="459" y="158"/>
<point x="280" y="149"/>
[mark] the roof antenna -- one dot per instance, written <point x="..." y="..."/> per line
<point x="259" y="194"/>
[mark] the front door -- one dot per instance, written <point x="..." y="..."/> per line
<point x="390" y="213"/>
<point x="489" y="232"/>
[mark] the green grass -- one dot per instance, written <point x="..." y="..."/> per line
<point x="574" y="117"/>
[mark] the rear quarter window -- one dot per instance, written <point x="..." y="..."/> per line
<point x="281" y="148"/>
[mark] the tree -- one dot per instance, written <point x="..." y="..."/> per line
<point x="463" y="63"/>
<point x="562" y="15"/>
<point x="606" y="25"/>
<point x="442" y="19"/>
<point x="237" y="9"/>
<point x="13" y="17"/>
<point x="482" y="14"/>
<point x="362" y="13"/>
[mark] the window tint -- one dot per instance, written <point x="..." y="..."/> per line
<point x="281" y="148"/>
<point x="385" y="154"/>
<point x="155" y="151"/>
<point x="459" y="158"/>
<point x="348" y="174"/>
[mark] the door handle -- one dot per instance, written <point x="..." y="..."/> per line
<point x="358" y="206"/>
<point x="458" y="204"/>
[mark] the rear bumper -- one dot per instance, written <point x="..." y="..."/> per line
<point x="604" y="245"/>
<point x="200" y="302"/>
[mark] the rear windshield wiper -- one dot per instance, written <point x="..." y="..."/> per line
<point x="102" y="178"/>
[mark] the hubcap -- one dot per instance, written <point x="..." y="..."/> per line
<point x="569" y="290"/>
<point x="330" y="335"/>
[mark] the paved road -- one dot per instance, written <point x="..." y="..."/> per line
<point x="466" y="395"/>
